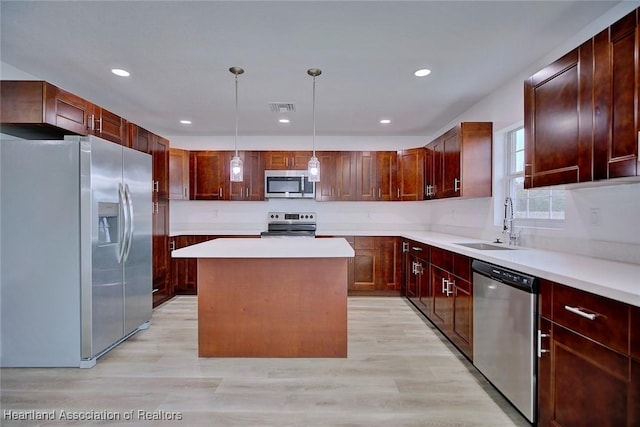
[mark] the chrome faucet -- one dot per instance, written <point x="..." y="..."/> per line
<point x="507" y="223"/>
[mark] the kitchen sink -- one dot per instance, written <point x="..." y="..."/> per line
<point x="484" y="246"/>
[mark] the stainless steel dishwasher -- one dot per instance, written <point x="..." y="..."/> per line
<point x="504" y="332"/>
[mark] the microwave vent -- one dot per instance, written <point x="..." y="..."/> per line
<point x="282" y="107"/>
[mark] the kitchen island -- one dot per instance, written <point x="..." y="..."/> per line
<point x="272" y="297"/>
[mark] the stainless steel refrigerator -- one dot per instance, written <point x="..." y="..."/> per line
<point x="75" y="249"/>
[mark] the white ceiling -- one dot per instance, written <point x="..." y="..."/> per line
<point x="179" y="54"/>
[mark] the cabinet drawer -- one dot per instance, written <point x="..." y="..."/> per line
<point x="419" y="250"/>
<point x="442" y="258"/>
<point x="599" y="318"/>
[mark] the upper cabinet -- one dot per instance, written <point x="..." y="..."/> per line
<point x="458" y="163"/>
<point x="251" y="187"/>
<point x="582" y="112"/>
<point x="280" y="160"/>
<point x="37" y="109"/>
<point x="337" y="175"/>
<point x="178" y="174"/>
<point x="410" y="174"/>
<point x="377" y="175"/>
<point x="208" y="175"/>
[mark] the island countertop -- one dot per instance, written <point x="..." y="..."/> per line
<point x="275" y="247"/>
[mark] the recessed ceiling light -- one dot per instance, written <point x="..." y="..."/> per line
<point x="120" y="72"/>
<point x="284" y="120"/>
<point x="385" y="121"/>
<point x="185" y="122"/>
<point x="422" y="72"/>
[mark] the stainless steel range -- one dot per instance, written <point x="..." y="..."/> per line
<point x="290" y="224"/>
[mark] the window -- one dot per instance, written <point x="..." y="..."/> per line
<point x="535" y="207"/>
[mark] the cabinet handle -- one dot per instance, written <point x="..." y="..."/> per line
<point x="172" y="245"/>
<point x="156" y="186"/>
<point x="398" y="192"/>
<point x="247" y="192"/>
<point x="450" y="284"/>
<point x="100" y="127"/>
<point x="413" y="267"/>
<point x="416" y="248"/>
<point x="576" y="310"/>
<point x="91" y="122"/>
<point x="540" y="349"/>
<point x="380" y="192"/>
<point x="456" y="185"/>
<point x="444" y="285"/>
<point x="220" y="192"/>
<point x="155" y="208"/>
<point x="184" y="191"/>
<point x="405" y="247"/>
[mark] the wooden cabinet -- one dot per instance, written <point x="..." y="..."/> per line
<point x="208" y="175"/>
<point x="376" y="268"/>
<point x="585" y="372"/>
<point x="37" y="109"/>
<point x="160" y="153"/>
<point x="178" y="174"/>
<point x="582" y="111"/>
<point x="107" y="125"/>
<point x="417" y="273"/>
<point x="338" y="176"/>
<point x="617" y="99"/>
<point x="410" y="174"/>
<point x="294" y="160"/>
<point x="458" y="163"/>
<point x="377" y="176"/>
<point x="184" y="271"/>
<point x="452" y="306"/>
<point x="160" y="252"/>
<point x="252" y="186"/>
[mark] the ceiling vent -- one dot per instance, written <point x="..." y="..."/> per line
<point x="282" y="107"/>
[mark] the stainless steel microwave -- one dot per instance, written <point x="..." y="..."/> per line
<point x="288" y="184"/>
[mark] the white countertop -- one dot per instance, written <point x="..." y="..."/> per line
<point x="616" y="280"/>
<point x="273" y="247"/>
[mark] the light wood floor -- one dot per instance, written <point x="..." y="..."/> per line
<point x="399" y="372"/>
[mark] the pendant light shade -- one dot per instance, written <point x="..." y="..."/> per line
<point x="236" y="171"/>
<point x="313" y="167"/>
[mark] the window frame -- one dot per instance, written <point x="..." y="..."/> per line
<point x="512" y="173"/>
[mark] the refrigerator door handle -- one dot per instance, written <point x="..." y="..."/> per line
<point x="129" y="200"/>
<point x="124" y="223"/>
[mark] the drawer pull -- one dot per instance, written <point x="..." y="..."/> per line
<point x="540" y="349"/>
<point x="576" y="310"/>
<point x="416" y="248"/>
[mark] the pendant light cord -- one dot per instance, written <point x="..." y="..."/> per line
<point x="314" y="116"/>
<point x="235" y="142"/>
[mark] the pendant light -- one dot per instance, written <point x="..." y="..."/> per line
<point x="235" y="169"/>
<point x="313" y="167"/>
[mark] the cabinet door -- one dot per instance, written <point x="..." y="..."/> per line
<point x="345" y="175"/>
<point x="462" y="316"/>
<point x="178" y="174"/>
<point x="208" y="172"/>
<point x="251" y="188"/>
<point x="326" y="188"/>
<point x="366" y="182"/>
<point x="160" y="243"/>
<point x="451" y="163"/>
<point x="160" y="155"/>
<point x="278" y="160"/>
<point x="389" y="275"/>
<point x="545" y="397"/>
<point x="411" y="174"/>
<point x="412" y="289"/>
<point x="66" y="110"/>
<point x="426" y="289"/>
<point x="559" y="121"/>
<point x="589" y="382"/>
<point x="618" y="84"/>
<point x="365" y="263"/>
<point x="299" y="160"/>
<point x="140" y="139"/>
<point x="387" y="175"/>
<point x="430" y="170"/>
<point x="107" y="125"/>
<point x="442" y="303"/>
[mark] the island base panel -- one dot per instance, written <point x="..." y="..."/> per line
<point x="277" y="307"/>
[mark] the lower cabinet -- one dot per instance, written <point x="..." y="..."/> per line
<point x="438" y="283"/>
<point x="584" y="377"/>
<point x="184" y="271"/>
<point x="376" y="268"/>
